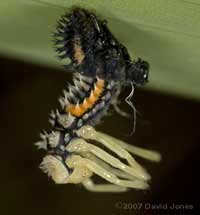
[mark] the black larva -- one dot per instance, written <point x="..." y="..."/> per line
<point x="101" y="65"/>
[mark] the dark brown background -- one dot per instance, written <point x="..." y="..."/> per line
<point x="166" y="123"/>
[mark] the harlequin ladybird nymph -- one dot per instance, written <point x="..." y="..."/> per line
<point x="100" y="66"/>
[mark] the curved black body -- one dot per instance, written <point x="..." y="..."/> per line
<point x="95" y="55"/>
<point x="104" y="55"/>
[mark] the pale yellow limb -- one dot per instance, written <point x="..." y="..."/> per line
<point x="79" y="145"/>
<point x="76" y="161"/>
<point x="118" y="146"/>
<point x="88" y="132"/>
<point x="115" y="171"/>
<point x="89" y="185"/>
<point x="144" y="153"/>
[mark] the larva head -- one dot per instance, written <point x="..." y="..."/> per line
<point x="55" y="168"/>
<point x="137" y="72"/>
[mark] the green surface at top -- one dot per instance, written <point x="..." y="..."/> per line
<point x="164" y="32"/>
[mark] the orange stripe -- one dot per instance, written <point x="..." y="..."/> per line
<point x="78" y="52"/>
<point x="79" y="110"/>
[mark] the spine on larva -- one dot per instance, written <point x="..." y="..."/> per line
<point x="84" y="103"/>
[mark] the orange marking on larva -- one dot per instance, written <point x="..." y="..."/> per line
<point x="78" y="52"/>
<point x="76" y="110"/>
<point x="92" y="99"/>
<point x="85" y="104"/>
<point x="97" y="91"/>
<point x="79" y="110"/>
<point x="89" y="104"/>
<point x="100" y="83"/>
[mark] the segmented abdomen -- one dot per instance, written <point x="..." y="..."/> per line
<point x="80" y="36"/>
<point x="85" y="102"/>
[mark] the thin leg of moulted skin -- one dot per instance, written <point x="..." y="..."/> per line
<point x="144" y="153"/>
<point x="103" y="164"/>
<point x="79" y="145"/>
<point x="110" y="177"/>
<point x="76" y="161"/>
<point x="88" y="132"/>
<point x="89" y="185"/>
